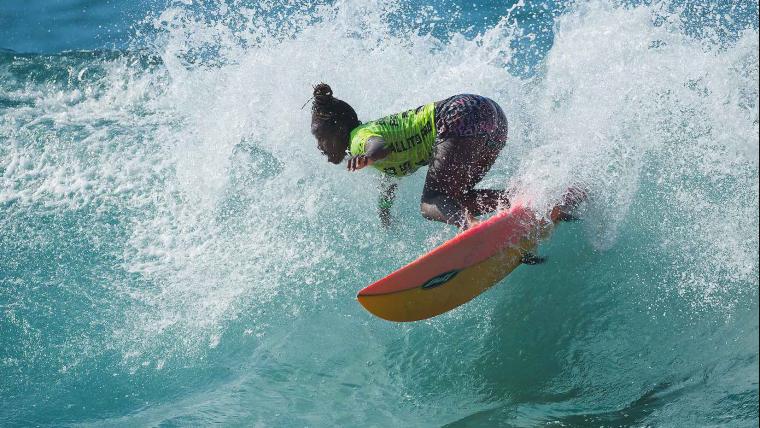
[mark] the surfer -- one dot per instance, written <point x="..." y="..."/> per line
<point x="459" y="137"/>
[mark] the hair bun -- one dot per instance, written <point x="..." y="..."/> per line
<point x="329" y="112"/>
<point x="323" y="92"/>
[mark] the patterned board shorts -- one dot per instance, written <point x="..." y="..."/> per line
<point x="466" y="115"/>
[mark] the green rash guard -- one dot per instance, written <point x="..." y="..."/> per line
<point x="409" y="135"/>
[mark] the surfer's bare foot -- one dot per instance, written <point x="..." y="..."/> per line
<point x="559" y="214"/>
<point x="570" y="201"/>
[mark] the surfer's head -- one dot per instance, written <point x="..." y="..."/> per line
<point x="331" y="123"/>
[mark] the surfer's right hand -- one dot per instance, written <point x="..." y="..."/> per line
<point x="358" y="162"/>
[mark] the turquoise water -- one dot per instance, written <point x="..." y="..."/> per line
<point x="175" y="252"/>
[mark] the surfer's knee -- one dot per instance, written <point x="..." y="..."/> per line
<point x="429" y="205"/>
<point x="428" y="210"/>
<point x="440" y="207"/>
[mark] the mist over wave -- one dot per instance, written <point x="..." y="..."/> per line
<point x="174" y="249"/>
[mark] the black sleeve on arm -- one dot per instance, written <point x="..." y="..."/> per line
<point x="376" y="149"/>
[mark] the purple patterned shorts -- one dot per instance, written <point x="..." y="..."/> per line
<point x="463" y="116"/>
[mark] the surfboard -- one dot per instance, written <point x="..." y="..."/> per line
<point x="458" y="270"/>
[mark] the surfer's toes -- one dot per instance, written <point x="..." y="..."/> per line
<point x="532" y="259"/>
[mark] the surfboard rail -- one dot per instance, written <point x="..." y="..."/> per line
<point x="457" y="270"/>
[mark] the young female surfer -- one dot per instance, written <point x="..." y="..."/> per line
<point x="459" y="138"/>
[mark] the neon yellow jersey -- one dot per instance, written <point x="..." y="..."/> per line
<point x="409" y="135"/>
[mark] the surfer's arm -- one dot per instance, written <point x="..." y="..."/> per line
<point x="385" y="201"/>
<point x="374" y="150"/>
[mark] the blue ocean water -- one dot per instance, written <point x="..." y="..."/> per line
<point x="174" y="251"/>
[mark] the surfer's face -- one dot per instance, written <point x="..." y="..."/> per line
<point x="331" y="142"/>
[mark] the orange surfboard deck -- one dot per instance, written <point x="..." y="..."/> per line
<point x="458" y="270"/>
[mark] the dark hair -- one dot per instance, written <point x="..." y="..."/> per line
<point x="329" y="114"/>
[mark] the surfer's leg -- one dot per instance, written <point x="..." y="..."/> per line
<point x="494" y="129"/>
<point x="445" y="185"/>
<point x="483" y="201"/>
<point x="441" y="207"/>
<point x="472" y="130"/>
<point x="449" y="195"/>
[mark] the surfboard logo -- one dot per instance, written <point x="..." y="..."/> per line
<point x="439" y="280"/>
